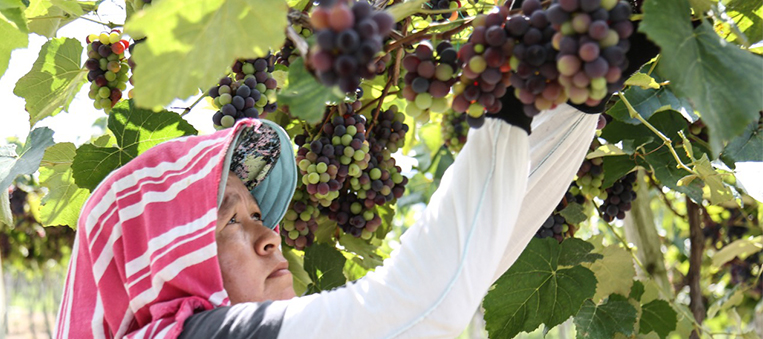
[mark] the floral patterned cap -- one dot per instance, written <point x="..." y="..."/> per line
<point x="263" y="158"/>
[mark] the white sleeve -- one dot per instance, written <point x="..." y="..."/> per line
<point x="558" y="144"/>
<point x="432" y="285"/>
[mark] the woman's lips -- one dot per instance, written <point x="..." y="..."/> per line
<point x="280" y="270"/>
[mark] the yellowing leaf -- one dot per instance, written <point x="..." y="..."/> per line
<point x="614" y="272"/>
<point x="741" y="248"/>
<point x="605" y="150"/>
<point x="719" y="192"/>
<point x="642" y="80"/>
<point x="191" y="43"/>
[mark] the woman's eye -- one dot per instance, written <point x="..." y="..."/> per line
<point x="232" y="220"/>
<point x="256" y="216"/>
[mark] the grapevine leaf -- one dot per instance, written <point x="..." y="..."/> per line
<point x="296" y="262"/>
<point x="637" y="290"/>
<point x="663" y="166"/>
<point x="136" y="130"/>
<point x="431" y="135"/>
<point x="6" y="217"/>
<point x="442" y="160"/>
<point x="719" y="192"/>
<point x="642" y="80"/>
<point x="741" y="248"/>
<point x="649" y="101"/>
<point x="614" y="272"/>
<point x="192" y="42"/>
<point x="297" y="4"/>
<point x="732" y="298"/>
<point x="14" y="32"/>
<point x="324" y="264"/>
<point x="614" y="315"/>
<point x="604" y="151"/>
<point x="365" y="251"/>
<point x="62" y="204"/>
<point x="659" y="317"/>
<point x="748" y="16"/>
<point x="26" y="160"/>
<point x="720" y="80"/>
<point x="538" y="290"/>
<point x="748" y="146"/>
<point x="305" y="96"/>
<point x="669" y="122"/>
<point x="44" y="18"/>
<point x="616" y="168"/>
<point x="701" y="6"/>
<point x="574" y="213"/>
<point x="405" y="9"/>
<point x="54" y="80"/>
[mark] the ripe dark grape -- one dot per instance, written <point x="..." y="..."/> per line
<point x="619" y="198"/>
<point x="429" y="79"/>
<point x="257" y="75"/>
<point x="442" y="5"/>
<point x="347" y="41"/>
<point x="591" y="40"/>
<point x="107" y="68"/>
<point x="287" y="53"/>
<point x="485" y="60"/>
<point x="556" y="225"/>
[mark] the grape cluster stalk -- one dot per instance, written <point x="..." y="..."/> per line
<point x="107" y="68"/>
<point x="347" y="41"/>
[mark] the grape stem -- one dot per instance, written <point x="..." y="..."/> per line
<point x="189" y="108"/>
<point x="665" y="199"/>
<point x="665" y="140"/>
<point x="109" y="24"/>
<point x="379" y="104"/>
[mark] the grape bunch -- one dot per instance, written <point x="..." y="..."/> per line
<point x="454" y="130"/>
<point x="619" y="198"/>
<point x="485" y="60"/>
<point x="592" y="39"/>
<point x="286" y="55"/>
<point x="261" y="69"/>
<point x="590" y="177"/>
<point x="107" y="69"/>
<point x="347" y="41"/>
<point x="380" y="183"/>
<point x="341" y="152"/>
<point x="533" y="61"/>
<point x="300" y="222"/>
<point x="556" y="225"/>
<point x="429" y="79"/>
<point x="442" y="5"/>
<point x="237" y="100"/>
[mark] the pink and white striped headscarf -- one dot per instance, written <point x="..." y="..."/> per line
<point x="145" y="256"/>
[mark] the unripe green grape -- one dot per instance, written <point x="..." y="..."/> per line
<point x="227" y="121"/>
<point x="225" y="99"/>
<point x="110" y="76"/>
<point x="321" y="167"/>
<point x="313" y="178"/>
<point x="423" y="100"/>
<point x="247" y="68"/>
<point x="359" y="155"/>
<point x="352" y="130"/>
<point x="477" y="64"/>
<point x="304" y="164"/>
<point x="475" y="110"/>
<point x="356" y="208"/>
<point x="439" y="105"/>
<point x="325" y="177"/>
<point x="346" y="140"/>
<point x="104" y="92"/>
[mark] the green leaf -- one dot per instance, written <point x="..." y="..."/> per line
<point x="300" y="277"/>
<point x="748" y="16"/>
<point x="719" y="192"/>
<point x="701" y="6"/>
<point x="297" y="4"/>
<point x="741" y="248"/>
<point x="637" y="290"/>
<point x="62" y="204"/>
<point x="649" y="101"/>
<point x="605" y="151"/>
<point x="732" y="298"/>
<point x="44" y="18"/>
<point x="748" y="146"/>
<point x="26" y="160"/>
<point x="615" y="315"/>
<point x="614" y="272"/>
<point x="659" y="317"/>
<point x="720" y="80"/>
<point x="574" y="213"/>
<point x="13" y="29"/>
<point x="191" y="43"/>
<point x="324" y="265"/>
<point x="538" y="290"/>
<point x="304" y="95"/>
<point x="663" y="166"/>
<point x="364" y="250"/>
<point x="616" y="168"/>
<point x="136" y="130"/>
<point x="54" y="80"/>
<point x="6" y="217"/>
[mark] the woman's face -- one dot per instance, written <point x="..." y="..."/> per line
<point x="251" y="262"/>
